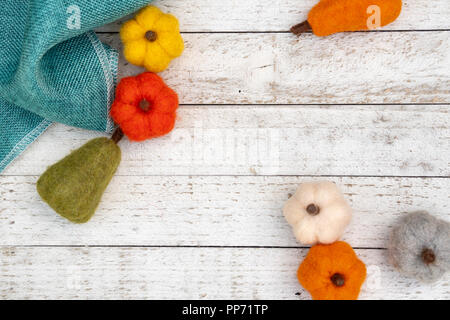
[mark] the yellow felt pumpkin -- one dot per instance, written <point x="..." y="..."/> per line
<point x="152" y="39"/>
<point x="332" y="272"/>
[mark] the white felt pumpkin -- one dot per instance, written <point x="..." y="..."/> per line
<point x="318" y="213"/>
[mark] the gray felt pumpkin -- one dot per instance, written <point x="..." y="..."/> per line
<point x="420" y="246"/>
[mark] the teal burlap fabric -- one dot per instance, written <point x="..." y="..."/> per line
<point x="51" y="71"/>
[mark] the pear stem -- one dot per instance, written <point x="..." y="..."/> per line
<point x="117" y="135"/>
<point x="300" y="28"/>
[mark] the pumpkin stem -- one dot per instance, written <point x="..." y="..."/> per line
<point x="428" y="256"/>
<point x="300" y="28"/>
<point x="338" y="279"/>
<point x="117" y="135"/>
<point x="144" y="105"/>
<point x="312" y="209"/>
<point x="151" y="36"/>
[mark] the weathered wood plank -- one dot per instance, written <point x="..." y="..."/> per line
<point x="218" y="211"/>
<point x="183" y="273"/>
<point x="356" y="68"/>
<point x="275" y="140"/>
<point x="280" y="15"/>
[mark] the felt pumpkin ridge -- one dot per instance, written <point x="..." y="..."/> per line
<point x="353" y="15"/>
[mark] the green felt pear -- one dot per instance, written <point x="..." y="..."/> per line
<point x="74" y="186"/>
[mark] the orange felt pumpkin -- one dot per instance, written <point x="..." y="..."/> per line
<point x="332" y="272"/>
<point x="145" y="107"/>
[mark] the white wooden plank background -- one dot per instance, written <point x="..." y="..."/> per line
<point x="266" y="68"/>
<point x="236" y="211"/>
<point x="197" y="214"/>
<point x="276" y="140"/>
<point x="183" y="273"/>
<point x="280" y="15"/>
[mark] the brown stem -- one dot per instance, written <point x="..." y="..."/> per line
<point x="144" y="105"/>
<point x="151" y="36"/>
<point x="300" y="28"/>
<point x="117" y="135"/>
<point x="338" y="279"/>
<point x="428" y="256"/>
<point x="312" y="209"/>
